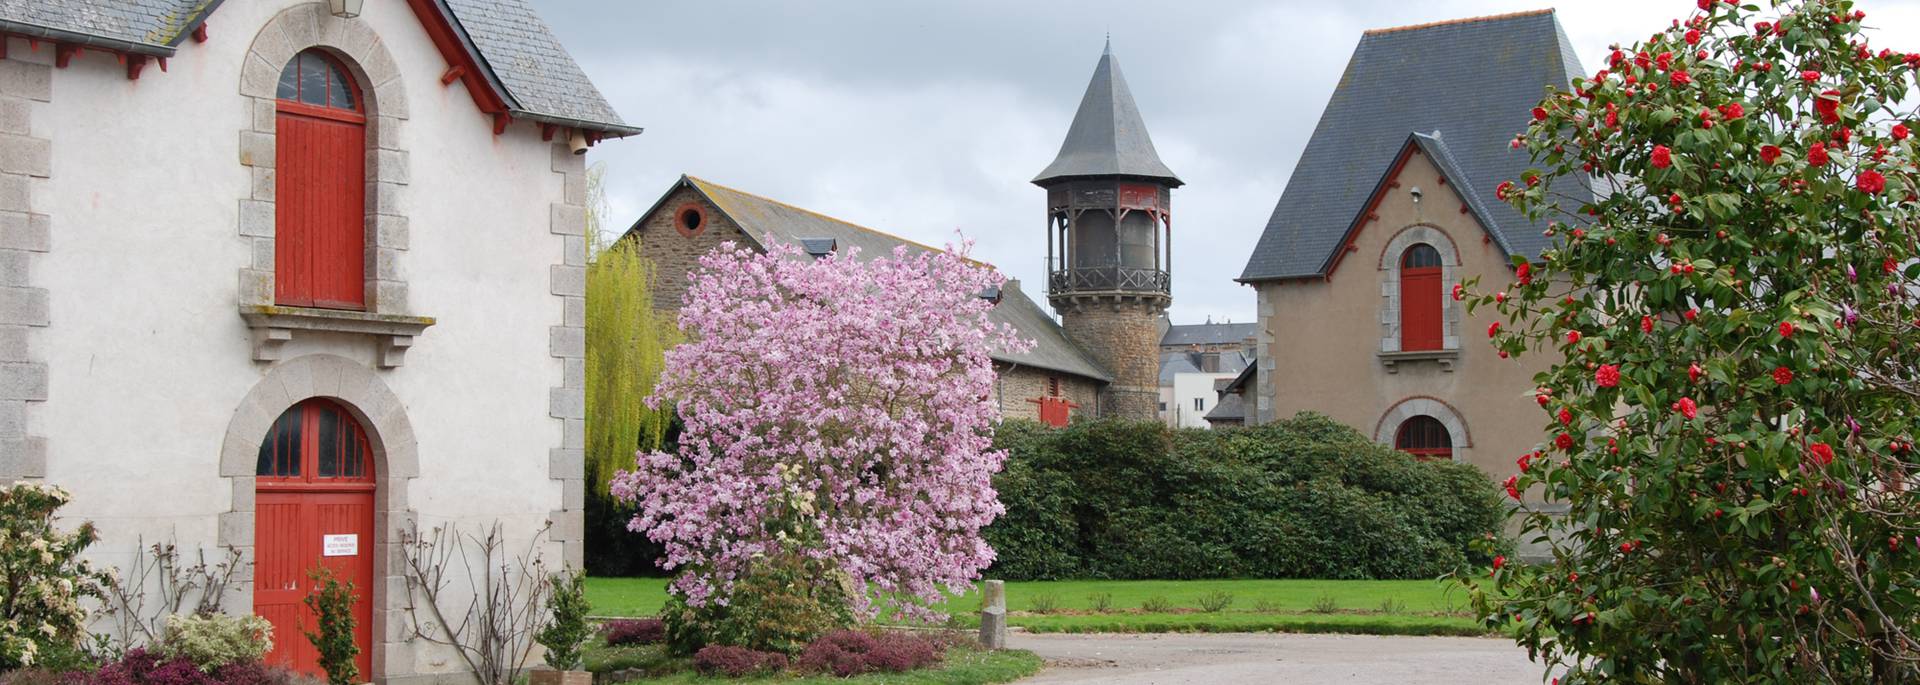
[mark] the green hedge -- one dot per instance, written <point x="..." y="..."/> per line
<point x="1302" y="498"/>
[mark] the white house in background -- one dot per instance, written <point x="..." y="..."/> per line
<point x="1193" y="358"/>
<point x="275" y="277"/>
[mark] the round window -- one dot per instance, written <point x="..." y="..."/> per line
<point x="690" y="220"/>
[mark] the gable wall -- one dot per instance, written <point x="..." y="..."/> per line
<point x="675" y="255"/>
<point x="1321" y="341"/>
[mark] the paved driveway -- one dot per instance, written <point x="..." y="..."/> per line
<point x="1250" y="658"/>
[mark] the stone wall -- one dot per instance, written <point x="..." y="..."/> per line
<point x="1018" y="384"/>
<point x="25" y="163"/>
<point x="672" y="251"/>
<point x="1126" y="340"/>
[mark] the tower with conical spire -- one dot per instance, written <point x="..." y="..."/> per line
<point x="1109" y="240"/>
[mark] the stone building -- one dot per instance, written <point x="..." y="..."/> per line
<point x="1194" y="360"/>
<point x="295" y="284"/>
<point x="1051" y="382"/>
<point x="1390" y="205"/>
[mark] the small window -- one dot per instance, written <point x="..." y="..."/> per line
<point x="1199" y="404"/>
<point x="1425" y="438"/>
<point x="1421" y="255"/>
<point x="1053" y="386"/>
<point x="315" y="80"/>
<point x="690" y="220"/>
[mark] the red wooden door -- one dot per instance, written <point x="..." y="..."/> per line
<point x="1420" y="299"/>
<point x="314" y="507"/>
<point x="320" y="150"/>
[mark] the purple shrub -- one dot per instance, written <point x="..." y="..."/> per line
<point x="643" y="631"/>
<point x="847" y="653"/>
<point x="139" y="667"/>
<point x="735" y="662"/>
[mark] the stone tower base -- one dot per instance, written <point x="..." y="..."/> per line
<point x="1125" y="337"/>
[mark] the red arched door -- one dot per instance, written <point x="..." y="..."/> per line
<point x="1420" y="298"/>
<point x="313" y="507"/>
<point x="320" y="150"/>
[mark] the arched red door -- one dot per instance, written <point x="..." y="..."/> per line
<point x="1420" y="299"/>
<point x="313" y="507"/>
<point x="320" y="146"/>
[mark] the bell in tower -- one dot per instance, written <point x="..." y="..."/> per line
<point x="1109" y="240"/>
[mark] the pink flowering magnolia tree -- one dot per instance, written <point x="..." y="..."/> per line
<point x="840" y="409"/>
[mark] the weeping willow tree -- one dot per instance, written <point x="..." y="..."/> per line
<point x="626" y="339"/>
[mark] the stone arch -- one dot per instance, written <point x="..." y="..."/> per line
<point x="296" y="29"/>
<point x="1389" y="266"/>
<point x="1421" y="405"/>
<point x="396" y="461"/>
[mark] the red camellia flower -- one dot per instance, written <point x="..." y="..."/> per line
<point x="1525" y="461"/>
<point x="1828" y="106"/>
<point x="1563" y="441"/>
<point x="1768" y="153"/>
<point x="1686" y="407"/>
<point x="1539" y="114"/>
<point x="1817" y="155"/>
<point x="1607" y="376"/>
<point x="1782" y="375"/>
<point x="1733" y="110"/>
<point x="1694" y="373"/>
<point x="1810" y="76"/>
<point x="1573" y="337"/>
<point x="1900" y="131"/>
<point x="1505" y="189"/>
<point x="1646" y="324"/>
<point x="1494" y="329"/>
<point x="1566" y="417"/>
<point x="1499" y="561"/>
<point x="1679" y="78"/>
<point x="1662" y="157"/>
<point x="1786" y="329"/>
<point x="1693" y="36"/>
<point x="1513" y="487"/>
<point x="1871" y="182"/>
<point x="1524" y="272"/>
<point x="1664" y="60"/>
<point x="1459" y="291"/>
<point x="1822" y="454"/>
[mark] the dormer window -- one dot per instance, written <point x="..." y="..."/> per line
<point x="819" y="248"/>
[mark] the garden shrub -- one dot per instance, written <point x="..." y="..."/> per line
<point x="783" y="603"/>
<point x="847" y="653"/>
<point x="45" y="577"/>
<point x="332" y="605"/>
<point x="211" y="641"/>
<point x="1300" y="498"/>
<point x="1730" y="413"/>
<point x="634" y="631"/>
<point x="735" y="662"/>
<point x="140" y="666"/>
<point x="566" y="630"/>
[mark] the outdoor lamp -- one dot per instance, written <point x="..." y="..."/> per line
<point x="345" y="9"/>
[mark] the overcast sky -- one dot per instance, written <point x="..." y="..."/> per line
<point x="919" y="118"/>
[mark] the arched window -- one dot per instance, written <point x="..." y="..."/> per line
<point x="1420" y="298"/>
<point x="315" y="441"/>
<point x="320" y="148"/>
<point x="1424" y="437"/>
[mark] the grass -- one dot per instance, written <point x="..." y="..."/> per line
<point x="962" y="666"/>
<point x="1376" y="607"/>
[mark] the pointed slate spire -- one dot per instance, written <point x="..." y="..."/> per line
<point x="1108" y="138"/>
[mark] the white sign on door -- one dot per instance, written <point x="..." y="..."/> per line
<point x="340" y="545"/>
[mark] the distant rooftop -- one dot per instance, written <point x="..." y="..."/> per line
<point x="1208" y="334"/>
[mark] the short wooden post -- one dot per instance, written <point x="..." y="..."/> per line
<point x="993" y="614"/>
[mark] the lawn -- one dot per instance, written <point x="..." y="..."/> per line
<point x="962" y="666"/>
<point x="1375" y="607"/>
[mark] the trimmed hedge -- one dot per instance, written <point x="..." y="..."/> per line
<point x="1301" y="498"/>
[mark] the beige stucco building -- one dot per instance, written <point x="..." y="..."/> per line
<point x="297" y="285"/>
<point x="1393" y="204"/>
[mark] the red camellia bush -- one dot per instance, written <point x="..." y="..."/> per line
<point x="1734" y="419"/>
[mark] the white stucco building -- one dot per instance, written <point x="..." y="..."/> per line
<point x="271" y="277"/>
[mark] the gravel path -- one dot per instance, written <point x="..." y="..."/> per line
<point x="1295" y="659"/>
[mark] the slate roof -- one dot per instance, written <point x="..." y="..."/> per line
<point x="1108" y="137"/>
<point x="535" y="75"/>
<point x="1230" y="409"/>
<point x="1176" y="363"/>
<point x="1208" y="334"/>
<point x="143" y="26"/>
<point x="539" y="76"/>
<point x="764" y="220"/>
<point x="1468" y="84"/>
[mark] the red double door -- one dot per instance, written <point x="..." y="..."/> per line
<point x="313" y="508"/>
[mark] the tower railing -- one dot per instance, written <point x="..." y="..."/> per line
<point x="1109" y="279"/>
